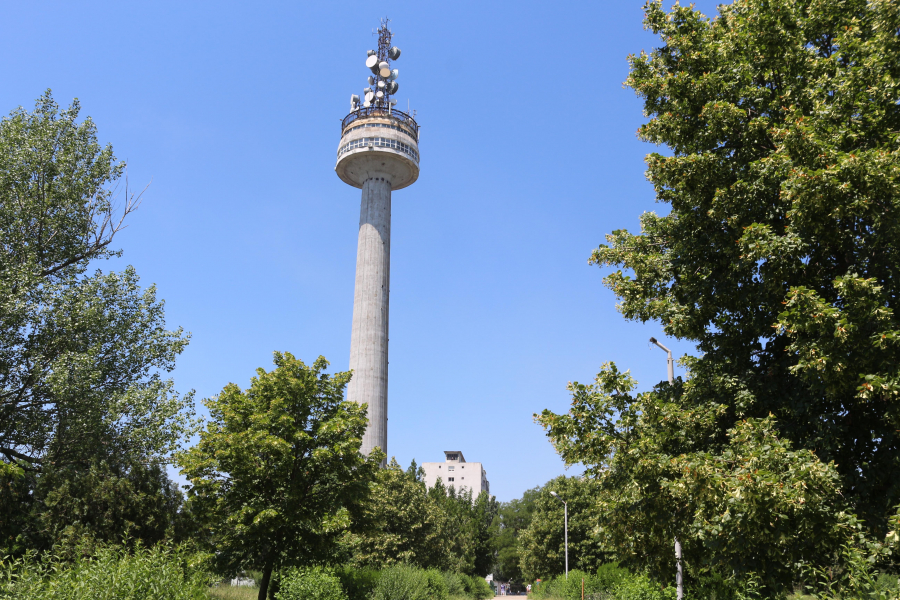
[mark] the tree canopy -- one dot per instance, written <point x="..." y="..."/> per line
<point x="80" y="353"/>
<point x="278" y="468"/>
<point x="512" y="519"/>
<point x="780" y="259"/>
<point x="542" y="543"/>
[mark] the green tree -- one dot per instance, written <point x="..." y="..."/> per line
<point x="484" y="532"/>
<point x="437" y="528"/>
<point x="779" y="260"/>
<point x="110" y="501"/>
<point x="399" y="523"/>
<point x="755" y="505"/>
<point x="542" y="542"/>
<point x="80" y="354"/>
<point x="468" y="537"/>
<point x="512" y="519"/>
<point x="278" y="468"/>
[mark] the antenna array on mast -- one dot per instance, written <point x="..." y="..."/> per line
<point x="383" y="80"/>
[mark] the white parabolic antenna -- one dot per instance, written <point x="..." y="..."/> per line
<point x="370" y="96"/>
<point x="372" y="61"/>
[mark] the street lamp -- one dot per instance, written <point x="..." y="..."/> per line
<point x="566" y="517"/>
<point x="678" y="575"/>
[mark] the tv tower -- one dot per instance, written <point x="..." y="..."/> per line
<point x="379" y="153"/>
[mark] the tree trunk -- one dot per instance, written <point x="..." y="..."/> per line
<point x="264" y="584"/>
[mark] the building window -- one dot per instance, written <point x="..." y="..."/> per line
<point x="450" y="479"/>
<point x="452" y="457"/>
<point x="451" y="468"/>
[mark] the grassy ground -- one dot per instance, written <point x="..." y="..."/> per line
<point x="227" y="592"/>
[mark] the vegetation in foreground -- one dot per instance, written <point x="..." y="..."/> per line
<point x="775" y="461"/>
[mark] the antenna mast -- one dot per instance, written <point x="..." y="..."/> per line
<point x="382" y="82"/>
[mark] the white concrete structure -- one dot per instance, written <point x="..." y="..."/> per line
<point x="457" y="472"/>
<point x="379" y="153"/>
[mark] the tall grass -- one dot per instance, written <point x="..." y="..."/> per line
<point x="109" y="574"/>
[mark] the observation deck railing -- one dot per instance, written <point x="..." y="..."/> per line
<point x="379" y="111"/>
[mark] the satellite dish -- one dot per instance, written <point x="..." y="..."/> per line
<point x="367" y="104"/>
<point x="370" y="52"/>
<point x="371" y="80"/>
<point x="369" y="97"/>
<point x="394" y="87"/>
<point x="395" y="73"/>
<point x="367" y="90"/>
<point x="380" y="85"/>
<point x="379" y="95"/>
<point x="372" y="61"/>
<point x="384" y="70"/>
<point x="394" y="53"/>
<point x="393" y="101"/>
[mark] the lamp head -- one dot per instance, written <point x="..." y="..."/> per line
<point x="653" y="340"/>
<point x="554" y="494"/>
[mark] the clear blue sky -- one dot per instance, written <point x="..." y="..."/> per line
<point x="529" y="157"/>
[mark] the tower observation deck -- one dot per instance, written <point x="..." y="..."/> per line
<point x="378" y="153"/>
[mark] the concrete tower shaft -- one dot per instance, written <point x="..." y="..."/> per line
<point x="379" y="153"/>
<point x="371" y="300"/>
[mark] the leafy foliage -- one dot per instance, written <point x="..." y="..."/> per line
<point x="512" y="519"/>
<point x="402" y="582"/>
<point x="405" y="522"/>
<point x="399" y="524"/>
<point x="310" y="584"/>
<point x="610" y="582"/>
<point x="779" y="259"/>
<point x="278" y="467"/>
<point x="80" y="354"/>
<point x="779" y="255"/>
<point x="108" y="501"/>
<point x="542" y="543"/>
<point x="158" y="573"/>
<point x="357" y="582"/>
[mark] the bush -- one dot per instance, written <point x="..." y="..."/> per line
<point x="455" y="586"/>
<point x="611" y="582"/>
<point x="477" y="587"/>
<point x="437" y="586"/>
<point x="358" y="584"/>
<point x="639" y="587"/>
<point x="402" y="582"/>
<point x="310" y="584"/>
<point x="608" y="577"/>
<point x="110" y="574"/>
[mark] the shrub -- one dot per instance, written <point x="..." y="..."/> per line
<point x="110" y="574"/>
<point x="358" y="584"/>
<point x="310" y="584"/>
<point x="477" y="587"/>
<point x="608" y="577"/>
<point x="402" y="582"/>
<point x="639" y="587"/>
<point x="437" y="586"/>
<point x="455" y="586"/>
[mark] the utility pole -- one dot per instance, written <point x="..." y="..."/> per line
<point x="679" y="583"/>
<point x="566" y="518"/>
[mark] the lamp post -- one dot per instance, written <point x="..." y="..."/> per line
<point x="678" y="574"/>
<point x="566" y="517"/>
